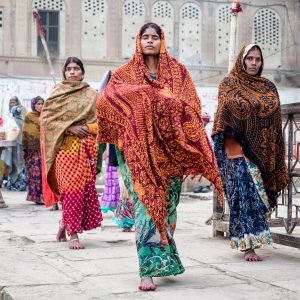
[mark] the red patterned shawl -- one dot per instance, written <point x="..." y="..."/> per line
<point x="158" y="125"/>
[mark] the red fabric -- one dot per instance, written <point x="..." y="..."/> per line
<point x="39" y="26"/>
<point x="49" y="197"/>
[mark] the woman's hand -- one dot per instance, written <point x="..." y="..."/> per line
<point x="80" y="130"/>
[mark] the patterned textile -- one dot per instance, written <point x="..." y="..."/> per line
<point x="123" y="215"/>
<point x="158" y="126"/>
<point x="156" y="259"/>
<point x="75" y="170"/>
<point x="34" y="175"/>
<point x="70" y="103"/>
<point x="249" y="110"/>
<point x="18" y="185"/>
<point x="248" y="228"/>
<point x="111" y="193"/>
<point x="31" y="131"/>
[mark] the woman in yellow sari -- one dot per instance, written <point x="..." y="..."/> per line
<point x="70" y="153"/>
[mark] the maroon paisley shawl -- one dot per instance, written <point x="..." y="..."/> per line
<point x="158" y="126"/>
<point x="249" y="110"/>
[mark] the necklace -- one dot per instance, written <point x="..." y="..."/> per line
<point x="152" y="73"/>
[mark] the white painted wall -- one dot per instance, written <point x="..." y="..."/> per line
<point x="93" y="32"/>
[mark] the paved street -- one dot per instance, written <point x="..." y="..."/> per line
<point x="34" y="266"/>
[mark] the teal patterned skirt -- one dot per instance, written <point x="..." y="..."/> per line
<point x="155" y="259"/>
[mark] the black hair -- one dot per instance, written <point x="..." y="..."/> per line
<point x="150" y="25"/>
<point x="261" y="56"/>
<point x="76" y="60"/>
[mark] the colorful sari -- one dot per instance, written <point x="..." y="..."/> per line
<point x="32" y="155"/>
<point x="157" y="126"/>
<point x="249" y="111"/>
<point x="70" y="162"/>
<point x="111" y="194"/>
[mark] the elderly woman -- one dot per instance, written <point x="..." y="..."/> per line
<point x="151" y="111"/>
<point x="70" y="151"/>
<point x="249" y="147"/>
<point x="32" y="151"/>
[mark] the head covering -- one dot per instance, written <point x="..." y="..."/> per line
<point x="16" y="99"/>
<point x="31" y="131"/>
<point x="245" y="53"/>
<point x="249" y="110"/>
<point x="158" y="126"/>
<point x="34" y="101"/>
<point x="70" y="102"/>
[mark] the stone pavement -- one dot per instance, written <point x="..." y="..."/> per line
<point x="34" y="266"/>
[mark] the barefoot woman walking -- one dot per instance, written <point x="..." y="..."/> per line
<point x="250" y="151"/>
<point x="151" y="111"/>
<point x="70" y="152"/>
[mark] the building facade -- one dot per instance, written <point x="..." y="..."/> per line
<point x="102" y="33"/>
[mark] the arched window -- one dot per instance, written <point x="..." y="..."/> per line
<point x="53" y="20"/>
<point x="94" y="29"/>
<point x="133" y="19"/>
<point x="190" y="34"/>
<point x="1" y="31"/>
<point x="223" y="17"/>
<point x="267" y="34"/>
<point x="163" y="14"/>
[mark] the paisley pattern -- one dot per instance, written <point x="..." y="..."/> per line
<point x="249" y="110"/>
<point x="158" y="126"/>
<point x="248" y="228"/>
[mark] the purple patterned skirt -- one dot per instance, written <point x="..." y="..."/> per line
<point x="34" y="175"/>
<point x="111" y="194"/>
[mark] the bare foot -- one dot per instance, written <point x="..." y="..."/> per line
<point x="250" y="255"/>
<point x="74" y="242"/>
<point x="61" y="234"/>
<point x="147" y="284"/>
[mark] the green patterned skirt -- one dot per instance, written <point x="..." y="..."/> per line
<point x="155" y="259"/>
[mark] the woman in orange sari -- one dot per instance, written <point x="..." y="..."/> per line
<point x="151" y="111"/>
<point x="70" y="153"/>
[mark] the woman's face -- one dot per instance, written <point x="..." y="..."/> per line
<point x="73" y="72"/>
<point x="13" y="102"/>
<point x="150" y="42"/>
<point x="253" y="62"/>
<point x="39" y="105"/>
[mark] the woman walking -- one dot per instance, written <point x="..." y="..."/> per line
<point x="249" y="148"/>
<point x="70" y="151"/>
<point x="151" y="111"/>
<point x="32" y="151"/>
